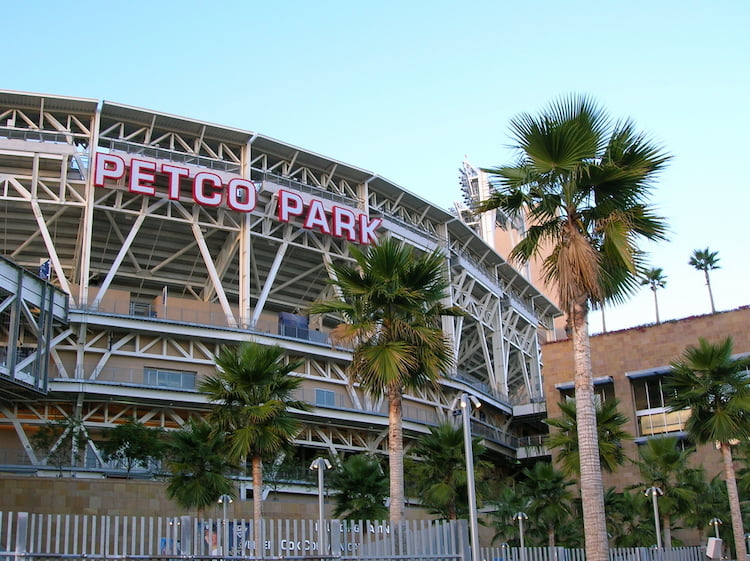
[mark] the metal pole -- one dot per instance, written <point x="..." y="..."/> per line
<point x="474" y="523"/>
<point x="321" y="464"/>
<point x="715" y="523"/>
<point x="321" y="509"/>
<point x="521" y="516"/>
<point x="654" y="491"/>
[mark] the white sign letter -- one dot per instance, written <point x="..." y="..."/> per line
<point x="108" y="166"/>
<point x="199" y="189"/>
<point x="290" y="204"/>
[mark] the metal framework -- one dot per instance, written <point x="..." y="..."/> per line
<point x="160" y="283"/>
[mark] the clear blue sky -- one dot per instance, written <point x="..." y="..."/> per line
<point x="406" y="89"/>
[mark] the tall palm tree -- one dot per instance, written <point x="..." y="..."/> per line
<point x="439" y="471"/>
<point x="654" y="279"/>
<point x="391" y="304"/>
<point x="551" y="506"/>
<point x="706" y="260"/>
<point x="664" y="465"/>
<point x="198" y="465"/>
<point x="582" y="182"/>
<point x="715" y="388"/>
<point x="254" y="389"/>
<point x="610" y="436"/>
<point x="361" y="489"/>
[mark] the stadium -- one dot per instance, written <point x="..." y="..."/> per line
<point x="136" y="244"/>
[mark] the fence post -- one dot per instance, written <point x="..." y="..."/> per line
<point x="186" y="535"/>
<point x="335" y="540"/>
<point x="22" y="531"/>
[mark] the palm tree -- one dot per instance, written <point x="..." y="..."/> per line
<point x="715" y="388"/>
<point x="391" y="304"/>
<point x="711" y="499"/>
<point x="610" y="436"/>
<point x="662" y="464"/>
<point x="512" y="498"/>
<point x="198" y="464"/>
<point x="551" y="506"/>
<point x="628" y="518"/>
<point x="582" y="182"/>
<point x="361" y="489"/>
<point x="254" y="393"/>
<point x="439" y="471"/>
<point x="706" y="260"/>
<point x="654" y="279"/>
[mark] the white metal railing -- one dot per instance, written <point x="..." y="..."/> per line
<point x="26" y="536"/>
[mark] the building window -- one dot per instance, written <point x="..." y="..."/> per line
<point x="652" y="414"/>
<point x="160" y="378"/>
<point x="325" y="398"/>
<point x="604" y="389"/>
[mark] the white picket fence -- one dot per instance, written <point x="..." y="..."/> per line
<point x="31" y="536"/>
<point x="615" y="554"/>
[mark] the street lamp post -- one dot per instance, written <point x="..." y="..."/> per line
<point x="521" y="516"/>
<point x="715" y="522"/>
<point x="224" y="501"/>
<point x="466" y="401"/>
<point x="321" y="464"/>
<point x="654" y="492"/>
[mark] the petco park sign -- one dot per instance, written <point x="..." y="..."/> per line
<point x="211" y="189"/>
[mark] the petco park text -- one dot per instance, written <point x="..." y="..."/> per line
<point x="210" y="189"/>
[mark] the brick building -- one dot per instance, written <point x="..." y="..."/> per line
<point x="629" y="365"/>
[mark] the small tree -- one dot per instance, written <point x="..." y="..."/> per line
<point x="663" y="464"/>
<point x="361" y="489"/>
<point x="198" y="462"/>
<point x="706" y="260"/>
<point x="133" y="444"/>
<point x="610" y="435"/>
<point x="654" y="279"/>
<point x="551" y="505"/>
<point x="438" y="471"/>
<point x="715" y="388"/>
<point x="62" y="442"/>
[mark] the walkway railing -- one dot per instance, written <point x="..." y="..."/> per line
<point x="60" y="537"/>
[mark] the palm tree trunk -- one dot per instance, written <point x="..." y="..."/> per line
<point x="656" y="306"/>
<point x="667" y="530"/>
<point x="396" y="453"/>
<point x="710" y="292"/>
<point x="734" y="502"/>
<point x="551" y="536"/>
<point x="592" y="488"/>
<point x="258" y="504"/>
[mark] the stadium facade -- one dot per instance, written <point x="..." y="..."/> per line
<point x="136" y="244"/>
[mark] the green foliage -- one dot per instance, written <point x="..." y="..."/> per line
<point x="581" y="181"/>
<point x="551" y="502"/>
<point x="511" y="498"/>
<point x="133" y="444"/>
<point x="609" y="422"/>
<point x="391" y="303"/>
<point x="715" y="388"/>
<point x="704" y="260"/>
<point x="63" y="442"/>
<point x="630" y="520"/>
<point x="664" y="465"/>
<point x="254" y="392"/>
<point x="361" y="489"/>
<point x="198" y="463"/>
<point x="437" y="471"/>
